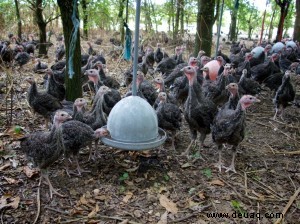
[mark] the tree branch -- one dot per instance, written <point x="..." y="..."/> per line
<point x="51" y="19"/>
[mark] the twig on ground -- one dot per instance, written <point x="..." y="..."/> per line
<point x="57" y="210"/>
<point x="98" y="216"/>
<point x="288" y="205"/>
<point x="290" y="153"/>
<point x="38" y="200"/>
<point x="191" y="215"/>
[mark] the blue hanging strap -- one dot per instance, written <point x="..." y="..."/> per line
<point x="127" y="48"/>
<point x="72" y="45"/>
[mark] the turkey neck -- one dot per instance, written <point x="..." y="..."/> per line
<point x="195" y="89"/>
<point x="32" y="91"/>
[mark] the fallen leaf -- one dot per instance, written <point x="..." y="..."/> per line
<point x="6" y="165"/>
<point x="168" y="204"/>
<point x="216" y="182"/>
<point x="7" y="201"/>
<point x="201" y="195"/>
<point x="163" y="218"/>
<point x="30" y="172"/>
<point x="83" y="200"/>
<point x="93" y="213"/>
<point x="186" y="165"/>
<point x="127" y="197"/>
<point x="11" y="180"/>
<point x="137" y="213"/>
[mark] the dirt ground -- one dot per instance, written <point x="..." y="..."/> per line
<point x="156" y="186"/>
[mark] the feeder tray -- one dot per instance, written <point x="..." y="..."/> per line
<point x="133" y="125"/>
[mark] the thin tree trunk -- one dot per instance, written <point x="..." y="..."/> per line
<point x="233" y="25"/>
<point x="182" y="18"/>
<point x="270" y="34"/>
<point x="121" y="19"/>
<point x="85" y="19"/>
<point x="284" y="7"/>
<point x="42" y="27"/>
<point x="74" y="85"/>
<point x="177" y="16"/>
<point x="205" y="21"/>
<point x="297" y="22"/>
<point x="19" y="19"/>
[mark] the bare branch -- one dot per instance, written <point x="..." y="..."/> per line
<point x="51" y="19"/>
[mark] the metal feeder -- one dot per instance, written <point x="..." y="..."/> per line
<point x="132" y="122"/>
<point x="133" y="125"/>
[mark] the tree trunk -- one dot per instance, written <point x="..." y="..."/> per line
<point x="74" y="85"/>
<point x="297" y="22"/>
<point x="182" y="18"/>
<point x="19" y="19"/>
<point x="85" y="19"/>
<point x="284" y="7"/>
<point x="42" y="28"/>
<point x="205" y="21"/>
<point x="177" y="16"/>
<point x="232" y="31"/>
<point x="270" y="34"/>
<point x="121" y="20"/>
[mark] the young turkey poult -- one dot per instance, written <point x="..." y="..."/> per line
<point x="42" y="102"/>
<point x="199" y="111"/>
<point x="229" y="127"/>
<point x="284" y="95"/>
<point x="169" y="116"/>
<point x="45" y="148"/>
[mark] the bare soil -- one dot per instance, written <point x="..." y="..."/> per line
<point x="156" y="186"/>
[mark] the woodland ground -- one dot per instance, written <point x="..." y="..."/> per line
<point x="157" y="186"/>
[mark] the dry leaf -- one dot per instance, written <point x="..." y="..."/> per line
<point x="6" y="165"/>
<point x="94" y="212"/>
<point x="11" y="180"/>
<point x="216" y="182"/>
<point x="7" y="201"/>
<point x="201" y="195"/>
<point x="163" y="218"/>
<point x="83" y="200"/>
<point x="127" y="197"/>
<point x="168" y="204"/>
<point x="30" y="172"/>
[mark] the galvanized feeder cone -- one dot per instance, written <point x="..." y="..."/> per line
<point x="133" y="125"/>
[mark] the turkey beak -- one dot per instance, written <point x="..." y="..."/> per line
<point x="69" y="117"/>
<point x="182" y="70"/>
<point x="257" y="100"/>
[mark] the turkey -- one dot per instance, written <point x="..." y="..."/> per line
<point x="260" y="72"/>
<point x="54" y="87"/>
<point x="284" y="95"/>
<point x="159" y="54"/>
<point x="23" y="58"/>
<point x="91" y="51"/>
<point x="215" y="90"/>
<point x="247" y="85"/>
<point x="224" y="56"/>
<point x="159" y="82"/>
<point x="229" y="127"/>
<point x="77" y="135"/>
<point x="145" y="89"/>
<point x="39" y="66"/>
<point x="199" y="111"/>
<point x="177" y="71"/>
<point x="45" y="148"/>
<point x="233" y="98"/>
<point x="169" y="116"/>
<point x="41" y="102"/>
<point x="96" y="117"/>
<point x="106" y="80"/>
<point x="60" y="52"/>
